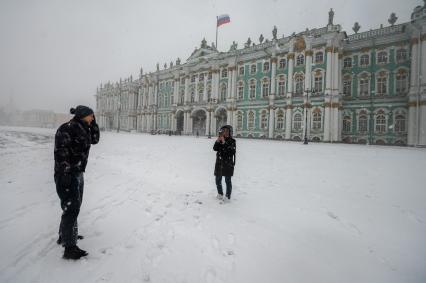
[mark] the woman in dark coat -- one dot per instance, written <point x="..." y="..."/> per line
<point x="225" y="148"/>
<point x="72" y="144"/>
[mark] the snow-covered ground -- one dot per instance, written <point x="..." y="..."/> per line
<point x="316" y="213"/>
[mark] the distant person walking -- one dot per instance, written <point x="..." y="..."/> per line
<point x="225" y="148"/>
<point x="72" y="144"/>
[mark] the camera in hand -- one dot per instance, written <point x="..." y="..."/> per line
<point x="221" y="132"/>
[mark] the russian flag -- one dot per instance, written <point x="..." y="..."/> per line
<point x="223" y="19"/>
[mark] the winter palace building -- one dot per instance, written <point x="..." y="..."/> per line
<point x="364" y="87"/>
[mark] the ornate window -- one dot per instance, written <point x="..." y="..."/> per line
<point x="201" y="78"/>
<point x="241" y="71"/>
<point x="299" y="84"/>
<point x="209" y="76"/>
<point x="347" y="124"/>
<point x="193" y="77"/>
<point x="223" y="90"/>
<point x="381" y="84"/>
<point x="380" y="122"/>
<point x="253" y="69"/>
<point x="319" y="57"/>
<point x="400" y="123"/>
<point x="266" y="67"/>
<point x="282" y="64"/>
<point x="382" y="57"/>
<point x="347" y="86"/>
<point x="300" y="60"/>
<point x="364" y="86"/>
<point x="364" y="60"/>
<point x="281" y="86"/>
<point x="401" y="55"/>
<point x="347" y="62"/>
<point x="401" y="82"/>
<point x="280" y="120"/>
<point x="264" y="120"/>
<point x="318" y="82"/>
<point x="252" y="90"/>
<point x="265" y="88"/>
<point x="192" y="95"/>
<point x="316" y="119"/>
<point x="224" y="73"/>
<point x="240" y="90"/>
<point x="297" y="122"/>
<point x="239" y="121"/>
<point x="250" y="121"/>
<point x="363" y="122"/>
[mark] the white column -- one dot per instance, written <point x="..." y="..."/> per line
<point x="273" y="75"/>
<point x="288" y="120"/>
<point x="208" y="123"/>
<point x="186" y="100"/>
<point x="176" y="91"/>
<point x="271" y="122"/>
<point x="190" y="124"/>
<point x="328" y="92"/>
<point x="308" y="70"/>
<point x="213" y="124"/>
<point x="290" y="74"/>
<point x="205" y="87"/>
<point x="234" y="82"/>
<point x="215" y="84"/>
<point x="229" y="86"/>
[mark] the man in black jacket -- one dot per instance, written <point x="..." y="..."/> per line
<point x="225" y="148"/>
<point x="72" y="144"/>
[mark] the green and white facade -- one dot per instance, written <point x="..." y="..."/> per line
<point x="364" y="87"/>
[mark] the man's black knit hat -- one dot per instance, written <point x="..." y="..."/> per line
<point x="81" y="111"/>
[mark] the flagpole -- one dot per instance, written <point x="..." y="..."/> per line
<point x="216" y="31"/>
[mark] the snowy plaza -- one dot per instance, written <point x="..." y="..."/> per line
<point x="299" y="213"/>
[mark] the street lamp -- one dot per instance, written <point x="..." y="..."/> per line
<point x="305" y="140"/>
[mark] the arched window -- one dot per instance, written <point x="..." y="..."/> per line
<point x="250" y="120"/>
<point x="265" y="88"/>
<point x="400" y="123"/>
<point x="401" y="82"/>
<point x="264" y="120"/>
<point x="382" y="84"/>
<point x="253" y="69"/>
<point x="347" y="86"/>
<point x="252" y="93"/>
<point x="318" y="82"/>
<point x="282" y="64"/>
<point x="401" y="55"/>
<point x="281" y="86"/>
<point x="347" y="62"/>
<point x="240" y="90"/>
<point x="266" y="67"/>
<point x="319" y="57"/>
<point x="280" y="120"/>
<point x="297" y="122"/>
<point x="299" y="84"/>
<point x="239" y="121"/>
<point x="316" y="119"/>
<point x="382" y="57"/>
<point x="363" y="122"/>
<point x="223" y="90"/>
<point x="364" y="60"/>
<point x="347" y="124"/>
<point x="300" y="60"/>
<point x="364" y="86"/>
<point x="380" y="122"/>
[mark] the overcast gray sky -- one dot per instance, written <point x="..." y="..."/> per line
<point x="54" y="53"/>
